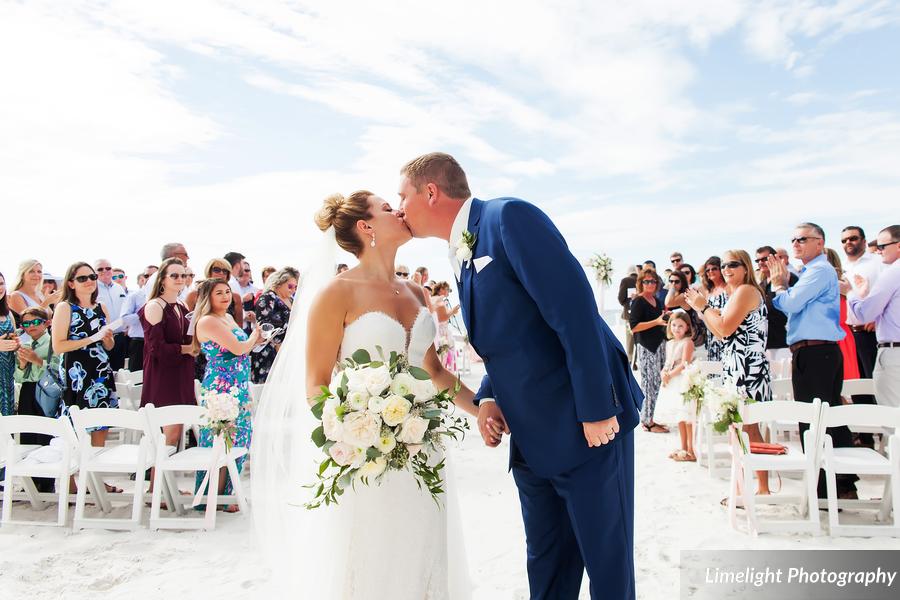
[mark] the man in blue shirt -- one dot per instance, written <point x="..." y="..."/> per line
<point x="813" y="310"/>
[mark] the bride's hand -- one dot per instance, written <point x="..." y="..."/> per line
<point x="491" y="423"/>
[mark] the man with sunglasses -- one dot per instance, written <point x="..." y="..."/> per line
<point x="881" y="303"/>
<point x="120" y="278"/>
<point x="112" y="295"/>
<point x="868" y="266"/>
<point x="813" y="331"/>
<point x="776" y="344"/>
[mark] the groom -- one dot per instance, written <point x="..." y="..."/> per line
<point x="557" y="378"/>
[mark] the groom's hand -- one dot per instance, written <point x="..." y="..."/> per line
<point x="491" y="423"/>
<point x="599" y="433"/>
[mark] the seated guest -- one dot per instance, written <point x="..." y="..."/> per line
<point x="813" y="309"/>
<point x="273" y="308"/>
<point x="33" y="359"/>
<point x="776" y="346"/>
<point x="880" y="304"/>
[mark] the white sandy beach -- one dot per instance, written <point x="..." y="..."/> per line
<point x="677" y="508"/>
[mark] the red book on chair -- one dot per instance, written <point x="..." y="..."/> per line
<point x="763" y="448"/>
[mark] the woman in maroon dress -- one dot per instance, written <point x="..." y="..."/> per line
<point x="168" y="353"/>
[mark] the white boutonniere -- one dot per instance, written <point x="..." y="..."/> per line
<point x="465" y="247"/>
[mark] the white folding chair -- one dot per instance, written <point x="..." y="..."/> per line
<point x="23" y="451"/>
<point x="58" y="461"/>
<point x="796" y="460"/>
<point x="782" y="389"/>
<point x="209" y="459"/>
<point x="865" y="387"/>
<point x="123" y="458"/>
<point x="711" y="447"/>
<point x="863" y="461"/>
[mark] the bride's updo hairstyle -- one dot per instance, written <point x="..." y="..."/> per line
<point x="343" y="214"/>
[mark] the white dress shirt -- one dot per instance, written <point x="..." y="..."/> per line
<point x="460" y="224"/>
<point x="112" y="295"/>
<point x="869" y="266"/>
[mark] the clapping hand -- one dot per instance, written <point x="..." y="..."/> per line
<point x="9" y="344"/>
<point x="696" y="299"/>
<point x="491" y="423"/>
<point x="844" y="286"/>
<point x="778" y="273"/>
<point x="862" y="285"/>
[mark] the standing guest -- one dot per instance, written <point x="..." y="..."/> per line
<point x="34" y="358"/>
<point x="120" y="278"/>
<point x="341" y="268"/>
<point x="402" y="271"/>
<point x="9" y="344"/>
<point x="443" y="341"/>
<point x="648" y="324"/>
<point x="627" y="290"/>
<point x="813" y="308"/>
<point x="188" y="280"/>
<point x="236" y="262"/>
<point x="676" y="259"/>
<point x="689" y="272"/>
<point x="112" y="296"/>
<point x="872" y="247"/>
<point x="785" y="259"/>
<point x="168" y="349"/>
<point x="422" y="276"/>
<point x="676" y="298"/>
<point x="880" y="304"/>
<point x="266" y="271"/>
<point x="226" y="348"/>
<point x="169" y="250"/>
<point x="847" y="345"/>
<point x="49" y="286"/>
<point x="743" y="326"/>
<point x="216" y="269"/>
<point x="679" y="354"/>
<point x="78" y="318"/>
<point x="146" y="274"/>
<point x="869" y="266"/>
<point x="28" y="289"/>
<point x="776" y="346"/>
<point x="660" y="284"/>
<point x="248" y="295"/>
<point x="273" y="308"/>
<point x="716" y="297"/>
<point x="131" y="324"/>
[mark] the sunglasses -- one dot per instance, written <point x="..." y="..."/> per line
<point x="648" y="281"/>
<point x="850" y="238"/>
<point x="676" y="260"/>
<point x="178" y="275"/>
<point x="711" y="270"/>
<point x="292" y="287"/>
<point x="804" y="239"/>
<point x="732" y="264"/>
<point x="84" y="278"/>
<point x="401" y="274"/>
<point x="104" y="268"/>
<point x="33" y="323"/>
<point x="760" y="261"/>
<point x="118" y="277"/>
<point x="881" y="247"/>
<point x="675" y="281"/>
<point x="219" y="271"/>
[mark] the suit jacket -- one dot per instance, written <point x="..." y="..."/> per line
<point x="628" y="282"/>
<point x="552" y="362"/>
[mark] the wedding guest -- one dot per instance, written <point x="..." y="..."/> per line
<point x="660" y="284"/>
<point x="33" y="359"/>
<point x="28" y="288"/>
<point x="227" y="349"/>
<point x="443" y="313"/>
<point x="627" y="290"/>
<point x="219" y="268"/>
<point x="78" y="320"/>
<point x="341" y="268"/>
<point x="776" y="346"/>
<point x="648" y="324"/>
<point x="169" y="250"/>
<point x="847" y="345"/>
<point x="188" y="279"/>
<point x="880" y="303"/>
<point x="273" y="308"/>
<point x="869" y="266"/>
<point x="676" y="259"/>
<point x="785" y="258"/>
<point x="248" y="295"/>
<point x="147" y="273"/>
<point x="9" y="344"/>
<point x="872" y="247"/>
<point x="266" y="271"/>
<point x="813" y="309"/>
<point x="422" y="276"/>
<point x="689" y="272"/>
<point x="131" y="324"/>
<point x="743" y="326"/>
<point x="679" y="354"/>
<point x="677" y="300"/>
<point x="402" y="271"/>
<point x="716" y="297"/>
<point x="112" y="296"/>
<point x="236" y="263"/>
<point x="120" y="278"/>
<point x="49" y="286"/>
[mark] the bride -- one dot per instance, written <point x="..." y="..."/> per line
<point x="388" y="540"/>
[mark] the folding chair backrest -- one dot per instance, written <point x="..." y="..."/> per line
<point x="858" y="387"/>
<point x="781" y="410"/>
<point x="61" y="428"/>
<point x="105" y="417"/>
<point x="782" y="389"/>
<point x="710" y="367"/>
<point x="129" y="395"/>
<point x="862" y="415"/>
<point x="137" y="377"/>
<point x="163" y="416"/>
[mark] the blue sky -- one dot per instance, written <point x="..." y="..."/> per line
<point x="639" y="128"/>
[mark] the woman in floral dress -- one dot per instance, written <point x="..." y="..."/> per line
<point x="226" y="348"/>
<point x="273" y="307"/>
<point x="9" y="343"/>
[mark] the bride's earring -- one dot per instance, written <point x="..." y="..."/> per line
<point x="373" y="240"/>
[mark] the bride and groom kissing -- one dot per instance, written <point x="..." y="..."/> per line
<point x="556" y="379"/>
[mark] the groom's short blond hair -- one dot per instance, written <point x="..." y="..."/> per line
<point x="440" y="169"/>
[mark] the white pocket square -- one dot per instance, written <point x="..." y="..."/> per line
<point x="481" y="262"/>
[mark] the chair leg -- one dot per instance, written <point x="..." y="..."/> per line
<point x="7" y="497"/>
<point x="34" y="496"/>
<point x="884" y="512"/>
<point x="98" y="489"/>
<point x="831" y="488"/>
<point x="63" y="511"/>
<point x="155" y="499"/>
<point x="750" y="502"/>
<point x="212" y="498"/>
<point x="237" y="486"/>
<point x="732" y="493"/>
<point x="80" y="497"/>
<point x="172" y="486"/>
<point x="137" y="508"/>
<point x="895" y="496"/>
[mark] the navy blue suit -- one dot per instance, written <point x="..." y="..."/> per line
<point x="552" y="364"/>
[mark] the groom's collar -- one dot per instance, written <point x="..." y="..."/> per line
<point x="461" y="223"/>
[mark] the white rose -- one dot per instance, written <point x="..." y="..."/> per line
<point x="342" y="453"/>
<point x="386" y="443"/>
<point x="333" y="427"/>
<point x="414" y="449"/>
<point x="358" y="458"/>
<point x="358" y="399"/>
<point x="377" y="404"/>
<point x="355" y="380"/>
<point x="463" y="252"/>
<point x="377" y="379"/>
<point x="372" y="469"/>
<point x="424" y="390"/>
<point x="413" y="430"/>
<point x="362" y="429"/>
<point x="403" y="384"/>
<point x="395" y="410"/>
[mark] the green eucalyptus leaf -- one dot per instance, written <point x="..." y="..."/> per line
<point x="361" y="356"/>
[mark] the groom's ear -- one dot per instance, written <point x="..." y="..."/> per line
<point x="432" y="193"/>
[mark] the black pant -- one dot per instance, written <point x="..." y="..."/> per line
<point x="135" y="354"/>
<point x="118" y="352"/>
<point x="866" y="353"/>
<point x="818" y="372"/>
<point x="28" y="405"/>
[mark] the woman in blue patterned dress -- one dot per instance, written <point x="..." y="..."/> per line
<point x="227" y="349"/>
<point x="9" y="343"/>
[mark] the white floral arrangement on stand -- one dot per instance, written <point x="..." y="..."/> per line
<point x="221" y="410"/>
<point x="602" y="266"/>
<point x="379" y="416"/>
<point x="724" y="401"/>
<point x="693" y="387"/>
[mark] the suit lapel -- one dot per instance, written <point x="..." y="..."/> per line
<point x="467" y="277"/>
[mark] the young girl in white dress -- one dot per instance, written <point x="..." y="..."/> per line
<point x="670" y="404"/>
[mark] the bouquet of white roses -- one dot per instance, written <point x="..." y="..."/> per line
<point x="602" y="266"/>
<point x="693" y="386"/>
<point x="221" y="410"/>
<point x="724" y="401"/>
<point x="380" y="416"/>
